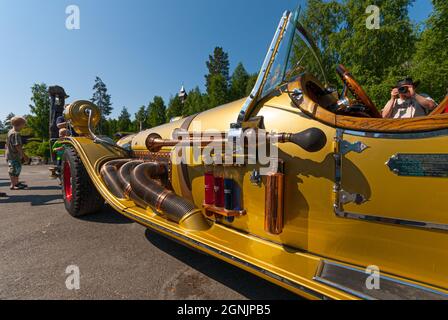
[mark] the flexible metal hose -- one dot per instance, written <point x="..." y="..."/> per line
<point x="161" y="199"/>
<point x="109" y="173"/>
<point x="139" y="181"/>
<point x="124" y="180"/>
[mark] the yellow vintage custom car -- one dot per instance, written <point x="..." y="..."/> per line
<point x="300" y="184"/>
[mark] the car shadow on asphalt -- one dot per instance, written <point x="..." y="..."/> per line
<point x="107" y="216"/>
<point x="245" y="283"/>
<point x="47" y="188"/>
<point x="4" y="183"/>
<point x="34" y="200"/>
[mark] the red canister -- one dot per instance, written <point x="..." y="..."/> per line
<point x="219" y="192"/>
<point x="209" y="188"/>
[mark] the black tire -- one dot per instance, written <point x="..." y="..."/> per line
<point x="81" y="198"/>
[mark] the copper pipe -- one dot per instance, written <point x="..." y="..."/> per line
<point x="311" y="140"/>
<point x="155" y="143"/>
<point x="128" y="191"/>
<point x="274" y="211"/>
<point x="161" y="198"/>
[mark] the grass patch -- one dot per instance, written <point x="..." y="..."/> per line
<point x="2" y="152"/>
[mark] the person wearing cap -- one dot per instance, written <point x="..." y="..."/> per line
<point x="14" y="153"/>
<point x="61" y="123"/>
<point x="406" y="103"/>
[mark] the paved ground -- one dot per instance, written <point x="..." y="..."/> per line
<point x="118" y="259"/>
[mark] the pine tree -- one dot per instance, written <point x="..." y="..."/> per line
<point x="156" y="112"/>
<point x="239" y="82"/>
<point x="2" y="127"/>
<point x="102" y="99"/>
<point x="141" y="118"/>
<point x="217" y="90"/>
<point x="218" y="64"/>
<point x="39" y="120"/>
<point x="124" y="121"/>
<point x="196" y="102"/>
<point x="175" y="107"/>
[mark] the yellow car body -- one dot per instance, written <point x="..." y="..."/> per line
<point x="368" y="208"/>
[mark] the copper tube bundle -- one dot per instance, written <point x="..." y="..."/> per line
<point x="142" y="182"/>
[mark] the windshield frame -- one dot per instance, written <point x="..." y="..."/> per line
<point x="289" y="23"/>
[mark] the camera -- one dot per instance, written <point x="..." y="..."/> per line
<point x="403" y="90"/>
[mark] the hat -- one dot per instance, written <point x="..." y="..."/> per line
<point x="57" y="91"/>
<point x="408" y="81"/>
<point x="16" y="121"/>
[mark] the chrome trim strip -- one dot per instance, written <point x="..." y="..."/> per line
<point x="264" y="70"/>
<point x="399" y="282"/>
<point x="339" y="206"/>
<point x="190" y="241"/>
<point x="403" y="136"/>
<point x="386" y="220"/>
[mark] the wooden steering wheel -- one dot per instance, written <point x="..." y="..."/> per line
<point x="357" y="91"/>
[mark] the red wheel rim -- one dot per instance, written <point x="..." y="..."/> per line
<point x="68" y="182"/>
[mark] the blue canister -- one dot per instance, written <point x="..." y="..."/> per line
<point x="228" y="193"/>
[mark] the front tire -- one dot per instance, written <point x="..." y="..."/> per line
<point x="81" y="198"/>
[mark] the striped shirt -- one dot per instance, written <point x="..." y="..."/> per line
<point x="13" y="141"/>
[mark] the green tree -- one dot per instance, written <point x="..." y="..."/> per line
<point x="325" y="20"/>
<point x="218" y="64"/>
<point x="102" y="99"/>
<point x="376" y="57"/>
<point x="141" y="118"/>
<point x="124" y="121"/>
<point x="40" y="111"/>
<point x="156" y="112"/>
<point x="7" y="122"/>
<point x="430" y="62"/>
<point x="196" y="102"/>
<point x="251" y="83"/>
<point x="217" y="92"/>
<point x="175" y="107"/>
<point x="110" y="127"/>
<point x="2" y="127"/>
<point x="239" y="81"/>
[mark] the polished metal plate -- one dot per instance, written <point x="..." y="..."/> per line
<point x="419" y="165"/>
<point x="353" y="281"/>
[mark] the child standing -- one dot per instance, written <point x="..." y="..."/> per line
<point x="14" y="153"/>
<point x="58" y="147"/>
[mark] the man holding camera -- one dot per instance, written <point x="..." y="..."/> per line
<point x="406" y="103"/>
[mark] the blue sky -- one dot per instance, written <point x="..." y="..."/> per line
<point x="140" y="48"/>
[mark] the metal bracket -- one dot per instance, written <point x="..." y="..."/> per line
<point x="255" y="177"/>
<point x="347" y="147"/>
<point x="346" y="197"/>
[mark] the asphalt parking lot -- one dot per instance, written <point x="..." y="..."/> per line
<point x="117" y="258"/>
